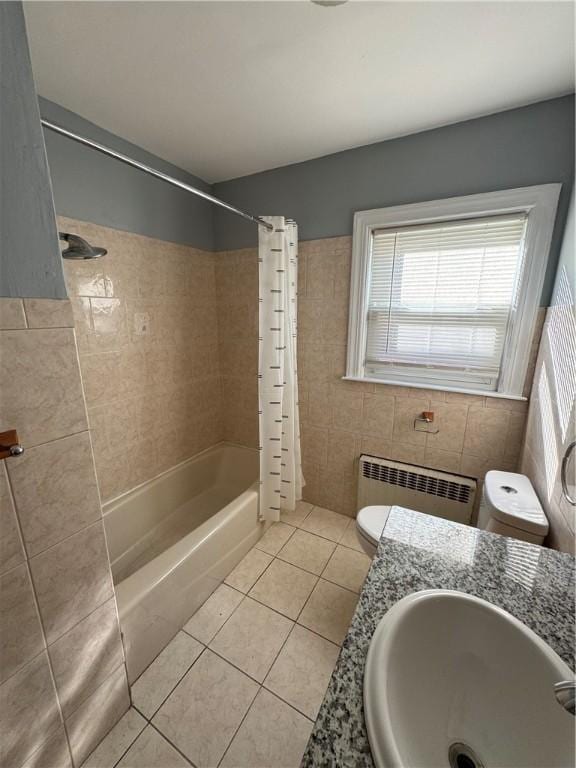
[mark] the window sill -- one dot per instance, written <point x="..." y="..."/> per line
<point x="460" y="390"/>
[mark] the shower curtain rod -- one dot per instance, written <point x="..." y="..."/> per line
<point x="103" y="149"/>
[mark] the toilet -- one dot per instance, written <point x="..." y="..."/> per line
<point x="370" y="522"/>
<point x="510" y="506"/>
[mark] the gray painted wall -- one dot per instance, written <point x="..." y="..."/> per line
<point x="567" y="260"/>
<point x="520" y="147"/>
<point x="92" y="187"/>
<point x="30" y="263"/>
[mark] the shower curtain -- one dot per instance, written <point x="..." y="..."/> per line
<point x="281" y="478"/>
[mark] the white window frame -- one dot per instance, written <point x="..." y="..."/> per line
<point x="538" y="202"/>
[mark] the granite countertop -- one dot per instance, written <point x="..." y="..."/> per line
<point x="418" y="552"/>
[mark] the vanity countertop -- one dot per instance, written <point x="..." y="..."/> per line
<point x="418" y="552"/>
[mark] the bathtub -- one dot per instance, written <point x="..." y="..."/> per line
<point x="173" y="539"/>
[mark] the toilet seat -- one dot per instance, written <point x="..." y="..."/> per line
<point x="370" y="522"/>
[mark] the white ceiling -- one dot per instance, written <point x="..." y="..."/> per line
<point x="225" y="89"/>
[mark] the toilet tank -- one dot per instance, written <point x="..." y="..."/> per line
<point x="510" y="506"/>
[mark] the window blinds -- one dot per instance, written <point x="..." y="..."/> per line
<point x="440" y="298"/>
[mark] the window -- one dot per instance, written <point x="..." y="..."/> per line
<point x="445" y="294"/>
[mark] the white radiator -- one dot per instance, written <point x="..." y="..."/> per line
<point x="381" y="481"/>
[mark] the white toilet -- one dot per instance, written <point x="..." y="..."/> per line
<point x="370" y="522"/>
<point x="510" y="507"/>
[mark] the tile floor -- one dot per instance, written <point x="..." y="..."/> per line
<point x="240" y="686"/>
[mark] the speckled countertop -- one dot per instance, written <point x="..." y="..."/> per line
<point x="418" y="552"/>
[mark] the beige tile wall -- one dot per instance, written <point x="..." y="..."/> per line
<point x="237" y="292"/>
<point x="147" y="329"/>
<point x="63" y="682"/>
<point x="340" y="420"/>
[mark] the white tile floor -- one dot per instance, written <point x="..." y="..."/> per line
<point x="241" y="684"/>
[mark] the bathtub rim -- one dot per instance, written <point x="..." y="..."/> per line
<point x="130" y="591"/>
<point x="110" y="505"/>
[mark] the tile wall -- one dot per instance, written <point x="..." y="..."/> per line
<point x="147" y="329"/>
<point x="63" y="681"/>
<point x="340" y="420"/>
<point x="237" y="293"/>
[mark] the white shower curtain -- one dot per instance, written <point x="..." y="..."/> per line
<point x="281" y="478"/>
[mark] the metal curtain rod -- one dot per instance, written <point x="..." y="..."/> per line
<point x="152" y="171"/>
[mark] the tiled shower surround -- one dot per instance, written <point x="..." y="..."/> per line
<point x="237" y="292"/>
<point x="340" y="420"/>
<point x="147" y="331"/>
<point x="167" y="342"/>
<point x="63" y="682"/>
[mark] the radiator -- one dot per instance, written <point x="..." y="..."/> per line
<point x="381" y="481"/>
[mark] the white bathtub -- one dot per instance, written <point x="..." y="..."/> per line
<point x="174" y="539"/>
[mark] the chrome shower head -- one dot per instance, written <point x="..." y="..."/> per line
<point x="78" y="248"/>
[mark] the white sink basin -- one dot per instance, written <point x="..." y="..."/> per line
<point x="445" y="668"/>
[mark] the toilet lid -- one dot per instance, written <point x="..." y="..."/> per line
<point x="371" y="521"/>
<point x="513" y="501"/>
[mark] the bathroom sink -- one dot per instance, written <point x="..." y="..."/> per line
<point x="452" y="680"/>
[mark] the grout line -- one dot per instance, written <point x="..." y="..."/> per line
<point x="25" y="314"/>
<point x="128" y="748"/>
<point x="235" y="665"/>
<point x="129" y="745"/>
<point x="100" y="520"/>
<point x="314" y="533"/>
<point x="41" y="625"/>
<point x="287" y="618"/>
<point x="60" y="437"/>
<point x="49" y="327"/>
<point x="240" y="724"/>
<point x="259" y="577"/>
<point x="275" y="554"/>
<point x="263" y="684"/>
<point x="260" y="688"/>
<point x="149" y="719"/>
<point x="207" y="645"/>
<point x="12" y="499"/>
<point x="164" y="648"/>
<point x="337" y="584"/>
<point x="174" y="687"/>
<point x="293" y="706"/>
<point x="100" y="605"/>
<point x="171" y="744"/>
<point x="312" y="573"/>
<point x="275" y="609"/>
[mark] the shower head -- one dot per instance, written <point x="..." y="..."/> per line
<point x="78" y="248"/>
